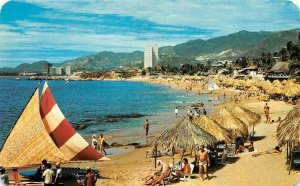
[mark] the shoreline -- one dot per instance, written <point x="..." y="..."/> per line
<point x="162" y="120"/>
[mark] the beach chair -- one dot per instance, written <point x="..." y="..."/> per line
<point x="168" y="179"/>
<point x="231" y="151"/>
<point x="188" y="176"/>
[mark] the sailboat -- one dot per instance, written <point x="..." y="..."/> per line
<point x="43" y="132"/>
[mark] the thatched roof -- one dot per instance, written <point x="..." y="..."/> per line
<point x="230" y="122"/>
<point x="253" y="89"/>
<point x="275" y="90"/>
<point x="185" y="134"/>
<point x="289" y="128"/>
<point x="291" y="91"/>
<point x="214" y="128"/>
<point x="280" y="67"/>
<point x="248" y="117"/>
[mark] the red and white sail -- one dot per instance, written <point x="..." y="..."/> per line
<point x="71" y="144"/>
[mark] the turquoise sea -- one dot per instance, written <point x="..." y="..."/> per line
<point x="88" y="102"/>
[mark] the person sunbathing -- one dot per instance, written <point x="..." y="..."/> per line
<point x="185" y="170"/>
<point x="248" y="148"/>
<point x="276" y="150"/>
<point x="161" y="168"/>
<point x="160" y="178"/>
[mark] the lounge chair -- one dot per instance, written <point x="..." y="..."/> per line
<point x="188" y="176"/>
<point x="231" y="151"/>
<point x="168" y="179"/>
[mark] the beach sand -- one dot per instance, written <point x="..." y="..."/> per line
<point x="130" y="168"/>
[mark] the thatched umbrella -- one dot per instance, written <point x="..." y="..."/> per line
<point x="291" y="91"/>
<point x="230" y="122"/>
<point x="275" y="90"/>
<point x="247" y="116"/>
<point x="289" y="128"/>
<point x="214" y="128"/>
<point x="253" y="89"/>
<point x="185" y="134"/>
<point x="277" y="83"/>
<point x="288" y="132"/>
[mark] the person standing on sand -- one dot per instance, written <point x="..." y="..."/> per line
<point x="204" y="112"/>
<point x="4" y="181"/>
<point x="203" y="162"/>
<point x="94" y="142"/>
<point x="102" y="144"/>
<point x="176" y="112"/>
<point x="48" y="175"/>
<point x="224" y="96"/>
<point x="146" y="126"/>
<point x="90" y="179"/>
<point x="267" y="112"/>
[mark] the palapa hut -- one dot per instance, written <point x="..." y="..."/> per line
<point x="247" y="116"/>
<point x="289" y="129"/>
<point x="253" y="89"/>
<point x="231" y="123"/>
<point x="185" y="134"/>
<point x="214" y="128"/>
<point x="288" y="132"/>
<point x="291" y="91"/>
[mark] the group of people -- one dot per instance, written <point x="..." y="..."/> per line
<point x="99" y="143"/>
<point x="177" y="171"/>
<point x="45" y="173"/>
<point x="195" y="113"/>
<point x="164" y="171"/>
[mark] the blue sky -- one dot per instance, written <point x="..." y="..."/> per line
<point x="58" y="30"/>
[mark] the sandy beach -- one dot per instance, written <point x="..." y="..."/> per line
<point x="130" y="168"/>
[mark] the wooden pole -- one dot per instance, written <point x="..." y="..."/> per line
<point x="291" y="160"/>
<point x="287" y="151"/>
<point x="155" y="156"/>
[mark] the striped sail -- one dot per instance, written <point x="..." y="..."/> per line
<point x="71" y="144"/>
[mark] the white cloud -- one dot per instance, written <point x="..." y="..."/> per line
<point x="297" y="3"/>
<point x="228" y="16"/>
<point x="2" y="2"/>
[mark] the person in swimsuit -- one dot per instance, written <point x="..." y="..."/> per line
<point x="203" y="162"/>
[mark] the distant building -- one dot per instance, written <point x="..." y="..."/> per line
<point x="249" y="71"/>
<point x="52" y="71"/>
<point x="68" y="69"/>
<point x="150" y="56"/>
<point x="46" y="68"/>
<point x="56" y="71"/>
<point x="279" y="71"/>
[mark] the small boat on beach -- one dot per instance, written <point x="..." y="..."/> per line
<point x="44" y="133"/>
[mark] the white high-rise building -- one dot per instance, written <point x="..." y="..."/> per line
<point x="150" y="56"/>
<point x="68" y="69"/>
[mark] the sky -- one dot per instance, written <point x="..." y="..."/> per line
<point x="59" y="30"/>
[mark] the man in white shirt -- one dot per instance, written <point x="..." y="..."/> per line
<point x="176" y="112"/>
<point x="48" y="175"/>
<point x="58" y="177"/>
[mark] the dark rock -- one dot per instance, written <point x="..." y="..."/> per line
<point x="81" y="126"/>
<point x="116" y="144"/>
<point x="132" y="115"/>
<point x="133" y="144"/>
<point x="110" y="120"/>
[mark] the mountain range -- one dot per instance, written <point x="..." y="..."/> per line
<point x="230" y="47"/>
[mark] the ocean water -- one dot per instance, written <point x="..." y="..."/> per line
<point x="88" y="102"/>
